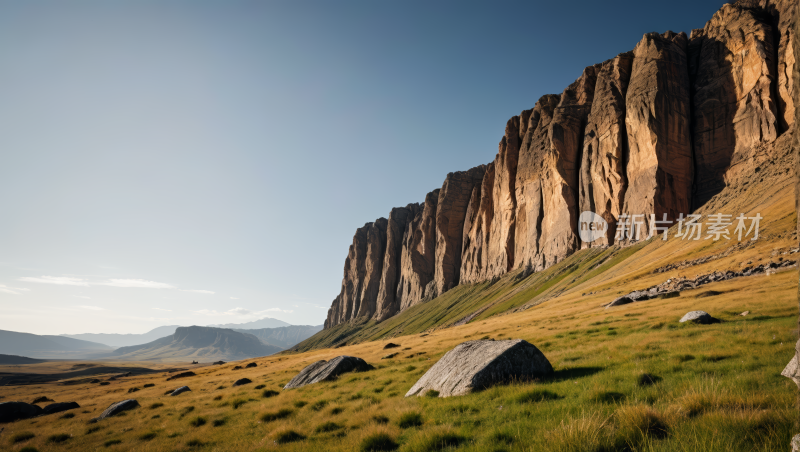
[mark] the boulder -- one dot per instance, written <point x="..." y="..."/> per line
<point x="180" y="390"/>
<point x="250" y="365"/>
<point x="117" y="408"/>
<point x="242" y="381"/>
<point x="796" y="443"/>
<point x="12" y="411"/>
<point x="701" y="317"/>
<point x="475" y="365"/>
<point x="792" y="370"/>
<point x="59" y="407"/>
<point x="327" y="370"/>
<point x="390" y="345"/>
<point x="237" y="368"/>
<point x="181" y="375"/>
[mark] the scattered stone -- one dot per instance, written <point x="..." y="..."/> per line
<point x="390" y="356"/>
<point x="792" y="370"/>
<point x="744" y="313"/>
<point x="390" y="345"/>
<point x="475" y="365"/>
<point x="701" y="317"/>
<point x="182" y="375"/>
<point x="12" y="411"/>
<point x="130" y="390"/>
<point x="104" y="383"/>
<point x="180" y="390"/>
<point x="796" y="443"/>
<point x="116" y="408"/>
<point x="42" y="399"/>
<point x="248" y="366"/>
<point x="95" y="381"/>
<point x="242" y="381"/>
<point x="237" y="368"/>
<point x="59" y="407"/>
<point x="327" y="370"/>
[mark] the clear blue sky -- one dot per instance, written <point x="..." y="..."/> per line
<point x="188" y="162"/>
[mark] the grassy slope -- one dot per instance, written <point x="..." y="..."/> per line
<point x="718" y="386"/>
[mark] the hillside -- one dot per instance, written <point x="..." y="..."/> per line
<point x="52" y="347"/>
<point x="204" y="344"/>
<point x="285" y="336"/>
<point x="266" y="322"/>
<point x="123" y="340"/>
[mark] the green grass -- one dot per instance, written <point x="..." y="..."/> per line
<point x="275" y="415"/>
<point x="288" y="436"/>
<point x="378" y="442"/>
<point x="269" y="393"/>
<point x="198" y="421"/>
<point x="112" y="442"/>
<point x="58" y="438"/>
<point x="408" y="420"/>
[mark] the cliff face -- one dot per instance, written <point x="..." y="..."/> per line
<point x="656" y="131"/>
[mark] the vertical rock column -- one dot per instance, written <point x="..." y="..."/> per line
<point x="387" y="304"/>
<point x="605" y="147"/>
<point x="657" y="120"/>
<point x="477" y="224"/>
<point x="732" y="65"/>
<point x="417" y="254"/>
<point x="453" y="201"/>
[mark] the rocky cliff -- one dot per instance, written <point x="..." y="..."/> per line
<point x="659" y="130"/>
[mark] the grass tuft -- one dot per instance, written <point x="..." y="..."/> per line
<point x="218" y="422"/>
<point x="269" y="393"/>
<point x="328" y="427"/>
<point x="67" y="416"/>
<point x="58" y="438"/>
<point x="537" y="395"/>
<point x="411" y="419"/>
<point x="380" y="419"/>
<point x="288" y="436"/>
<point x="22" y="436"/>
<point x="156" y="405"/>
<point x="274" y="416"/>
<point x="442" y="441"/>
<point x="432" y="393"/>
<point x="112" y="442"/>
<point x="198" y="421"/>
<point x="147" y="436"/>
<point x="378" y="442"/>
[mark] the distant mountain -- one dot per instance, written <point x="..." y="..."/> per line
<point x="14" y="359"/>
<point x="285" y="336"/>
<point x="36" y="346"/>
<point x="122" y="340"/>
<point x="266" y="322"/>
<point x="201" y="343"/>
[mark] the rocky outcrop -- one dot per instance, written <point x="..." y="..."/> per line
<point x="387" y="303"/>
<point x="658" y="112"/>
<point x="476" y="365"/>
<point x="454" y="199"/>
<point x="732" y="64"/>
<point x="657" y="131"/>
<point x="417" y="254"/>
<point x="603" y="178"/>
<point x="59" y="407"/>
<point x="327" y="370"/>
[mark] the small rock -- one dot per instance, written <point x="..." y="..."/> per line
<point x="59" y="407"/>
<point x="237" y="368"/>
<point x="182" y="375"/>
<point x="796" y="443"/>
<point x="180" y="390"/>
<point x="390" y="356"/>
<point x="250" y="365"/>
<point x="744" y="313"/>
<point x="390" y="345"/>
<point x="701" y="317"/>
<point x="117" y="408"/>
<point x="42" y="399"/>
<point x="242" y="381"/>
<point x="327" y="370"/>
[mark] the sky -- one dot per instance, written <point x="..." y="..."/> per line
<point x="195" y="162"/>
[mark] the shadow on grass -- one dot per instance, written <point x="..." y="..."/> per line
<point x="574" y="372"/>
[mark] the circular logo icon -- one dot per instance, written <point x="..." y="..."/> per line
<point x="591" y="226"/>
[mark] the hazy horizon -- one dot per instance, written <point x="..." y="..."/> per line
<point x="208" y="163"/>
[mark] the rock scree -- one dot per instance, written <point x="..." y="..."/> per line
<point x="242" y="381"/>
<point x="116" y="408"/>
<point x="327" y="370"/>
<point x="12" y="411"/>
<point x="180" y="390"/>
<point x="475" y="365"/>
<point x="701" y="317"/>
<point x="59" y="407"/>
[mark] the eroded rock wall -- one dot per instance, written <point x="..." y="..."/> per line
<point x="658" y="130"/>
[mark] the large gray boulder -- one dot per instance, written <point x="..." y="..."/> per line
<point x="701" y="317"/>
<point x="476" y="365"/>
<point x="117" y="408"/>
<point x="12" y="411"/>
<point x="327" y="370"/>
<point x="792" y="370"/>
<point x="180" y="390"/>
<point x="59" y="407"/>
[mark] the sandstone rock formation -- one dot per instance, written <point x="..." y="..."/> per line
<point x="117" y="408"/>
<point x="603" y="178"/>
<point x="12" y="411"/>
<point x="655" y="131"/>
<point x="733" y="66"/>
<point x="476" y="365"/>
<point x="454" y="198"/>
<point x="327" y="370"/>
